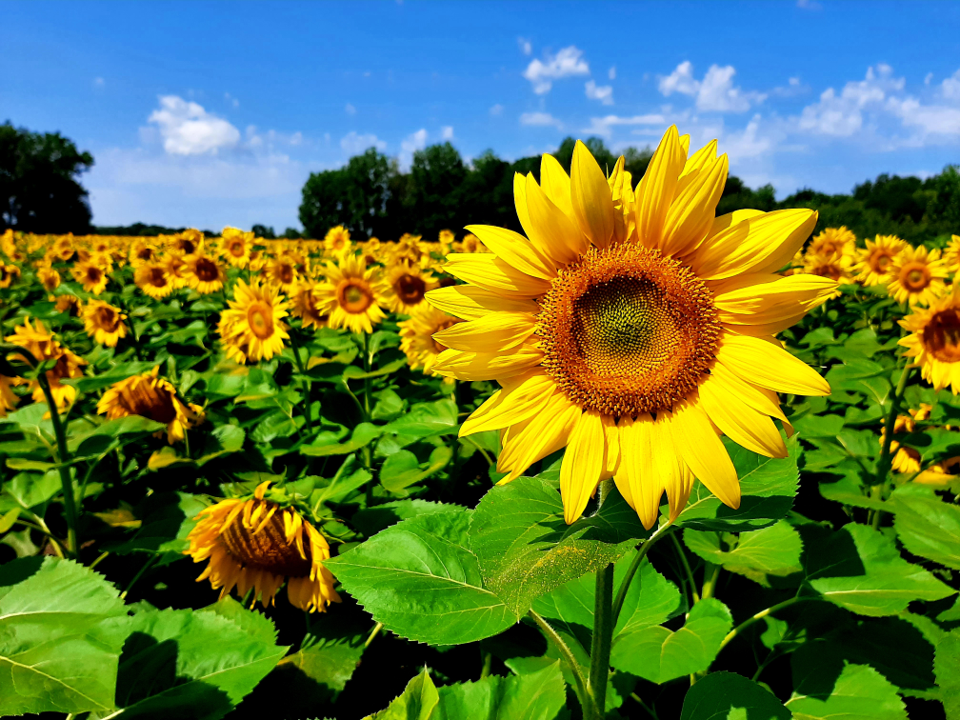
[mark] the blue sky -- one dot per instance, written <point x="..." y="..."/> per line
<point x="213" y="114"/>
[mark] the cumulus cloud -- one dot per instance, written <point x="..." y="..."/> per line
<point x="446" y="132"/>
<point x="540" y="119"/>
<point x="603" y="94"/>
<point x="680" y="80"/>
<point x="525" y="47"/>
<point x="841" y="114"/>
<point x="604" y="126"/>
<point x="188" y="129"/>
<point x="950" y="88"/>
<point x="496" y="109"/>
<point x="566" y="63"/>
<point x="353" y="143"/>
<point x="715" y="93"/>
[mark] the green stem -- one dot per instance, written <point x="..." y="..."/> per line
<point x="635" y="566"/>
<point x="143" y="568"/>
<point x="486" y="456"/>
<point x="711" y="573"/>
<point x="758" y="617"/>
<point x="373" y="633"/>
<point x="603" y="623"/>
<point x="307" y="385"/>
<point x="886" y="460"/>
<point x="694" y="597"/>
<point x="567" y="654"/>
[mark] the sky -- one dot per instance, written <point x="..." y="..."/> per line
<point x="208" y="114"/>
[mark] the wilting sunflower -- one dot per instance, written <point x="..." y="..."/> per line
<point x="203" y="273"/>
<point x="876" y="260"/>
<point x="255" y="543"/>
<point x="632" y="330"/>
<point x="405" y="287"/>
<point x="7" y="274"/>
<point x="917" y="276"/>
<point x="150" y="396"/>
<point x="934" y="341"/>
<point x="305" y="306"/>
<point x="251" y="327"/>
<point x="49" y="278"/>
<point x="103" y="322"/>
<point x="282" y="271"/>
<point x="91" y="276"/>
<point x="951" y="256"/>
<point x="337" y="242"/>
<point x="834" y="241"/>
<point x="351" y="295"/>
<point x="70" y="304"/>
<point x="834" y="267"/>
<point x="44" y="346"/>
<point x="416" y="336"/>
<point x="236" y="246"/>
<point x="153" y="279"/>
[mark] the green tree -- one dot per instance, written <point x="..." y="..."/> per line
<point x="435" y="193"/>
<point x="39" y="190"/>
<point x="263" y="231"/>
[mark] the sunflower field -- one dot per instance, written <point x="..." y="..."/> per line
<point x="639" y="462"/>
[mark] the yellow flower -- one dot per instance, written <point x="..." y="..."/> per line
<point x="906" y="460"/>
<point x="838" y="242"/>
<point x="833" y="267"/>
<point x="351" y="295"/>
<point x="187" y="242"/>
<point x="934" y="341"/>
<point x="951" y="256"/>
<point x="251" y="327"/>
<point x="153" y="279"/>
<point x="416" y="336"/>
<point x="49" y="278"/>
<point x="203" y="273"/>
<point x="446" y="240"/>
<point x="255" y="544"/>
<point x="152" y="397"/>
<point x="337" y="242"/>
<point x="175" y="269"/>
<point x="876" y="260"/>
<point x="917" y="276"/>
<point x="8" y="400"/>
<point x="104" y="323"/>
<point x="69" y="304"/>
<point x="64" y="249"/>
<point x="282" y="271"/>
<point x="91" y="276"/>
<point x="471" y="244"/>
<point x="633" y="332"/>
<point x="945" y="472"/>
<point x="236" y="246"/>
<point x="43" y="346"/>
<point x="7" y="243"/>
<point x="142" y="251"/>
<point x="406" y="286"/>
<point x="305" y="305"/>
<point x="7" y="274"/>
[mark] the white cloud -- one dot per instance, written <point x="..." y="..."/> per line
<point x="841" y="115"/>
<point x="928" y="119"/>
<point x="680" y="80"/>
<point x="188" y="129"/>
<point x="603" y="126"/>
<point x="496" y="109"/>
<point x="612" y="73"/>
<point x="99" y="82"/>
<point x="928" y="79"/>
<point x="794" y="81"/>
<point x="231" y="99"/>
<point x="950" y="88"/>
<point x="525" y="47"/>
<point x="414" y="141"/>
<point x="603" y="94"/>
<point x="350" y="109"/>
<point x="540" y="119"/>
<point x="354" y="144"/>
<point x="749" y="143"/>
<point x="446" y="132"/>
<point x="566" y="63"/>
<point x="715" y="93"/>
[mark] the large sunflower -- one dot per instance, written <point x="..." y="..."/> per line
<point x="153" y="279"/>
<point x="203" y="273"/>
<point x="44" y="346"/>
<point x="151" y="397"/>
<point x="934" y="341"/>
<point x="405" y="287"/>
<point x="917" y="276"/>
<point x="877" y="259"/>
<point x="251" y="327"/>
<point x="351" y="295"/>
<point x="416" y="336"/>
<point x="632" y="330"/>
<point x="103" y="322"/>
<point x="255" y="543"/>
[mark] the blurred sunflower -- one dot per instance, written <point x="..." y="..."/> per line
<point x="44" y="346"/>
<point x="304" y="305"/>
<point x="8" y="400"/>
<point x="187" y="242"/>
<point x="152" y="397"/>
<point x="838" y="242"/>
<point x="916" y="276"/>
<point x="152" y="278"/>
<point x="632" y="329"/>
<point x="337" y="242"/>
<point x="64" y="249"/>
<point x="416" y="336"/>
<point x="876" y="260"/>
<point x="934" y="341"/>
<point x="49" y="278"/>
<point x="834" y="267"/>
<point x="141" y="252"/>
<point x="70" y="304"/>
<point x="405" y="287"/>
<point x="175" y="269"/>
<point x="351" y="295"/>
<point x="251" y="327"/>
<point x="236" y="246"/>
<point x="103" y="322"/>
<point x="7" y="274"/>
<point x="906" y="460"/>
<point x="471" y="244"/>
<point x="203" y="273"/>
<point x="446" y="240"/>
<point x="91" y="276"/>
<point x="282" y="271"/>
<point x="951" y="256"/>
<point x="945" y="472"/>
<point x="255" y="543"/>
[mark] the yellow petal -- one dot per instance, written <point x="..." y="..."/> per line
<point x="474" y="366"/>
<point x="516" y="250"/>
<point x="551" y="228"/>
<point x="639" y="465"/>
<point x="491" y="273"/>
<point x="693" y="211"/>
<point x="702" y="451"/>
<point x="738" y="421"/>
<point x="760" y="399"/>
<point x="770" y="300"/>
<point x="496" y="332"/>
<point x="768" y="365"/>
<point x="516" y="402"/>
<point x="656" y="190"/>
<point x="624" y="201"/>
<point x="556" y="184"/>
<point x="471" y="302"/>
<point x="684" y="141"/>
<point x="583" y="462"/>
<point x="542" y="434"/>
<point x="592" y="203"/>
<point x="677" y="478"/>
<point x="612" y="437"/>
<point x="704" y="157"/>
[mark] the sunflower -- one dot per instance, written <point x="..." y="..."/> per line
<point x="7" y="274"/>
<point x="934" y="341"/>
<point x="70" y="304"/>
<point x="834" y="241"/>
<point x="337" y="242"/>
<point x="49" y="278"/>
<point x="203" y="273"/>
<point x="64" y="249"/>
<point x="43" y="346"/>
<point x="446" y="240"/>
<point x="236" y="246"/>
<point x="282" y="271"/>
<point x="416" y="336"/>
<point x="142" y="252"/>
<point x="8" y="244"/>
<point x="471" y="244"/>
<point x="251" y="327"/>
<point x="834" y="267"/>
<point x="187" y="242"/>
<point x="255" y="543"/>
<point x="153" y="279"/>
<point x="91" y="276"/>
<point x="175" y="268"/>
<point x="8" y="400"/>
<point x="351" y="295"/>
<point x="103" y="322"/>
<point x="876" y="260"/>
<point x="945" y="472"/>
<point x="906" y="460"/>
<point x="305" y="307"/>
<point x="951" y="256"/>
<point x="916" y="276"/>
<point x="405" y="287"/>
<point x="628" y="323"/>
<point x="152" y="397"/>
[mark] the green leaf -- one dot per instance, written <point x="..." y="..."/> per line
<point x="526" y="549"/>
<point x="847" y="488"/>
<point x="167" y="519"/>
<point x="728" y="696"/>
<point x="659" y="655"/>
<point x="109" y="377"/>
<point x="538" y="695"/>
<point x="363" y="435"/>
<point x="389" y="405"/>
<point x="421" y="581"/>
<point x="860" y="375"/>
<point x="110" y="433"/>
<point x="946" y="665"/>
<point x="372" y="520"/>
<point x="31" y="489"/>
<point x="768" y="486"/>
<point x="426" y="419"/>
<point x="59" y="638"/>
<point x="926" y="525"/>
<point x="860" y="569"/>
<point x="347" y="479"/>
<point x="402" y="469"/>
<point x="418" y="701"/>
<point x="771" y="551"/>
<point x="829" y="690"/>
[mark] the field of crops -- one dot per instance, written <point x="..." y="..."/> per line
<point x="327" y="479"/>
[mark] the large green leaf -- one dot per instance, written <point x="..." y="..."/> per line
<point x="538" y="695"/>
<point x="59" y="638"/>
<point x="927" y="526"/>
<point x="363" y="434"/>
<point x="860" y="569"/>
<point x="403" y="469"/>
<point x="728" y="696"/>
<point x="426" y="419"/>
<point x="947" y="667"/>
<point x="168" y="518"/>
<point x="526" y="549"/>
<point x="417" y="702"/>
<point x="658" y="655"/>
<point x="767" y="485"/>
<point x="771" y="551"/>
<point x="421" y="581"/>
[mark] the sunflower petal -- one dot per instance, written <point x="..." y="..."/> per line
<point x="472" y="303"/>
<point x="592" y="202"/>
<point x="676" y="477"/>
<point x="640" y="465"/>
<point x="516" y="402"/>
<point x="551" y="228"/>
<point x="656" y="190"/>
<point x="772" y="300"/>
<point x="699" y="445"/>
<point x="555" y="182"/>
<point x="533" y="439"/>
<point x="692" y="214"/>
<point x="496" y="332"/>
<point x="583" y="462"/>
<point x="516" y="250"/>
<point x="474" y="366"/>
<point x="491" y="273"/>
<point x="768" y="365"/>
<point x="740" y="422"/>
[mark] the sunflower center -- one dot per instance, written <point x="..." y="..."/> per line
<point x="354" y="295"/>
<point x="626" y="331"/>
<point x="94" y="274"/>
<point x="236" y="249"/>
<point x="915" y="277"/>
<point x="268" y="549"/>
<point x="157" y="277"/>
<point x="149" y="401"/>
<point x="285" y="273"/>
<point x="108" y="319"/>
<point x="880" y="262"/>
<point x="260" y="318"/>
<point x="187" y="247"/>
<point x="206" y="270"/>
<point x="410" y="289"/>
<point x="145" y="254"/>
<point x="827" y="270"/>
<point x="941" y="336"/>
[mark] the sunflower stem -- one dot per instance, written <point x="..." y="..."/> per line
<point x="694" y="597"/>
<point x="886" y="459"/>
<point x="603" y="623"/>
<point x="635" y="566"/>
<point x="567" y="653"/>
<point x="306" y="384"/>
<point x="760" y="616"/>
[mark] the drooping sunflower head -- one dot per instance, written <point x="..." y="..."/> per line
<point x="934" y="341"/>
<point x="906" y="460"/>
<point x="632" y="327"/>
<point x="150" y="396"/>
<point x="91" y="275"/>
<point x="351" y="295"/>
<point x="834" y="242"/>
<point x="203" y="273"/>
<point x="257" y="542"/>
<point x="49" y="278"/>
<point x="917" y="275"/>
<point x="236" y="246"/>
<point x="337" y="242"/>
<point x="252" y="327"/>
<point x="877" y="259"/>
<point x="305" y="305"/>
<point x="405" y="287"/>
<point x="416" y="336"/>
<point x="153" y="279"/>
<point x="104" y="322"/>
